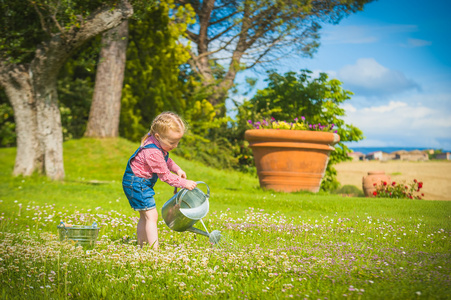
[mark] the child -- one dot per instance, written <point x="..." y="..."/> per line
<point x="150" y="162"/>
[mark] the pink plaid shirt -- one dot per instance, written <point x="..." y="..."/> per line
<point x="151" y="161"/>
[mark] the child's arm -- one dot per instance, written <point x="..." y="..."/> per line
<point x="181" y="173"/>
<point x="175" y="168"/>
<point x="157" y="165"/>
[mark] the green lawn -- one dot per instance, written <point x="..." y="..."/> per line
<point x="274" y="245"/>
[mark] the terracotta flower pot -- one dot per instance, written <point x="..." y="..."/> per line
<point x="374" y="177"/>
<point x="291" y="160"/>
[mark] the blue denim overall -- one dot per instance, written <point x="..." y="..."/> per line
<point x="139" y="191"/>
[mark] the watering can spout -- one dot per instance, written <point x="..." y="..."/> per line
<point x="198" y="231"/>
<point x="214" y="236"/>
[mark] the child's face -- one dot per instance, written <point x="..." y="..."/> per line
<point x="170" y="140"/>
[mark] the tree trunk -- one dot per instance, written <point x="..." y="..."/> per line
<point x="106" y="102"/>
<point x="49" y="128"/>
<point x="19" y="90"/>
<point x="32" y="92"/>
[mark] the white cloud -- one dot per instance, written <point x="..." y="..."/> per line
<point x="368" y="77"/>
<point x="405" y="122"/>
<point x="349" y="108"/>
<point x="348" y="35"/>
<point x="413" y="43"/>
<point x="362" y="34"/>
<point x="385" y="108"/>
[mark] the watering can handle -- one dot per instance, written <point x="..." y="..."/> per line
<point x="180" y="196"/>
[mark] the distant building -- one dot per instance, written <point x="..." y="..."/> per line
<point x="415" y="155"/>
<point x="399" y="152"/>
<point x="356" y="156"/>
<point x="446" y="155"/>
<point x="378" y="155"/>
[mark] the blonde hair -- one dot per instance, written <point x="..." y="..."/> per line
<point x="163" y="123"/>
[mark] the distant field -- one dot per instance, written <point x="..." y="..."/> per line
<point x="436" y="175"/>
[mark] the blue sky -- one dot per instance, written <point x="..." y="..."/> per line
<point x="396" y="58"/>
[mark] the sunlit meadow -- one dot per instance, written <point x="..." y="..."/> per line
<point x="274" y="245"/>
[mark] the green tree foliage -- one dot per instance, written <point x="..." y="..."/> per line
<point x="206" y="139"/>
<point x="156" y="80"/>
<point x="25" y="24"/>
<point x="75" y="89"/>
<point x="7" y="125"/>
<point x="152" y="83"/>
<point x="317" y="99"/>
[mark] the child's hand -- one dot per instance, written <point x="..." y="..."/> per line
<point x="181" y="173"/>
<point x="190" y="184"/>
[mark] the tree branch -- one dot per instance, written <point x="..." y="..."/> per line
<point x="41" y="18"/>
<point x="192" y="36"/>
<point x="223" y="19"/>
<point x="51" y="54"/>
<point x="58" y="25"/>
<point x="221" y="33"/>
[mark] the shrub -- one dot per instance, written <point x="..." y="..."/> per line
<point x="7" y="126"/>
<point x="317" y="99"/>
<point x="399" y="190"/>
<point x="350" y="190"/>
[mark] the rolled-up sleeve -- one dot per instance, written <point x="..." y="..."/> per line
<point x="172" y="166"/>
<point x="157" y="164"/>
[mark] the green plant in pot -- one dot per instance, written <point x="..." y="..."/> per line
<point x="319" y="100"/>
<point x="293" y="156"/>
